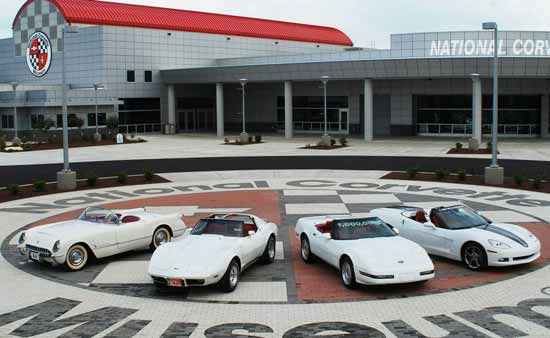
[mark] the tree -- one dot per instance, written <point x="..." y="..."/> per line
<point x="112" y="124"/>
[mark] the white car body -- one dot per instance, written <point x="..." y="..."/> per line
<point x="203" y="259"/>
<point x="449" y="243"/>
<point x="372" y="258"/>
<point x="103" y="239"/>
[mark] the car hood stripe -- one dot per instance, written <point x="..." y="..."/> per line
<point x="508" y="234"/>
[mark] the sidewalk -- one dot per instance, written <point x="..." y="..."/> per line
<point x="201" y="146"/>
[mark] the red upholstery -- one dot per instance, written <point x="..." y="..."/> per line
<point x="324" y="228"/>
<point x="435" y="220"/>
<point x="249" y="227"/>
<point x="421" y="216"/>
<point x="130" y="219"/>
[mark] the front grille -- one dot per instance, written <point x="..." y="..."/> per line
<point x="191" y="282"/>
<point x="523" y="257"/>
<point x="43" y="252"/>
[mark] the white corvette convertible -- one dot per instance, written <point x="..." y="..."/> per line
<point x="366" y="250"/>
<point x="461" y="234"/>
<point x="216" y="251"/>
<point x="98" y="232"/>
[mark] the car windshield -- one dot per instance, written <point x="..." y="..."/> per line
<point x="458" y="217"/>
<point x="372" y="227"/>
<point x="99" y="215"/>
<point x="223" y="227"/>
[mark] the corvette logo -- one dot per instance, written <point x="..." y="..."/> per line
<point x="39" y="54"/>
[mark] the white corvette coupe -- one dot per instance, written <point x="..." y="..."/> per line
<point x="98" y="232"/>
<point x="216" y="251"/>
<point x="366" y="250"/>
<point x="462" y="234"/>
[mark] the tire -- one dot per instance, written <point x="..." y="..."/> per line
<point x="474" y="256"/>
<point x="160" y="236"/>
<point x="77" y="257"/>
<point x="230" y="279"/>
<point x="268" y="256"/>
<point x="305" y="250"/>
<point x="347" y="273"/>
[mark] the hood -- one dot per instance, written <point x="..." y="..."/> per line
<point x="46" y="235"/>
<point x="195" y="255"/>
<point x="507" y="233"/>
<point x="389" y="252"/>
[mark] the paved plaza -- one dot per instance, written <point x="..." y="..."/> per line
<point x="115" y="298"/>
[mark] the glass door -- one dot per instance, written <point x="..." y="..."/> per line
<point x="343" y="121"/>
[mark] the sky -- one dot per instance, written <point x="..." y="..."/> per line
<point x="369" y="23"/>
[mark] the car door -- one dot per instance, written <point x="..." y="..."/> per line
<point x="103" y="240"/>
<point x="132" y="233"/>
<point x="319" y="242"/>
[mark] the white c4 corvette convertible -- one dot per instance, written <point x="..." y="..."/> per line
<point x="100" y="233"/>
<point x="366" y="250"/>
<point x="216" y="251"/>
<point x="461" y="234"/>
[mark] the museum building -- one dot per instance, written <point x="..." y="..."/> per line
<point x="179" y="71"/>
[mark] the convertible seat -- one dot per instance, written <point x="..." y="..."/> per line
<point x="249" y="227"/>
<point x="129" y="219"/>
<point x="421" y="216"/>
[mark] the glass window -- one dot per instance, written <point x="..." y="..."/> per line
<point x="101" y="117"/>
<point x="7" y="122"/>
<point x="351" y="229"/>
<point x="222" y="227"/>
<point x="148" y="76"/>
<point x="37" y="121"/>
<point x="130" y="76"/>
<point x="71" y="120"/>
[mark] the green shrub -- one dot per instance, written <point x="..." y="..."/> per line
<point x="258" y="139"/>
<point x="518" y="180"/>
<point x="39" y="185"/>
<point x="91" y="181"/>
<point x="412" y="172"/>
<point x="122" y="178"/>
<point x="440" y="174"/>
<point x="13" y="189"/>
<point x="343" y="141"/>
<point x="458" y="145"/>
<point x="461" y="174"/>
<point x="149" y="175"/>
<point x="536" y="184"/>
<point x="226" y="140"/>
<point x="2" y="144"/>
<point x="332" y="142"/>
<point x="112" y="124"/>
<point x="26" y="146"/>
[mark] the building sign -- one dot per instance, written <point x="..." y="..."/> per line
<point x="518" y="47"/>
<point x="39" y="54"/>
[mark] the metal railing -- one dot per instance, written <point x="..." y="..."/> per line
<point x="316" y="127"/>
<point x="146" y="128"/>
<point x="466" y="129"/>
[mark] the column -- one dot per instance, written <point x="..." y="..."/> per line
<point x="288" y="110"/>
<point x="369" y="107"/>
<point x="171" y="109"/>
<point x="219" y="110"/>
<point x="476" y="108"/>
<point x="544" y="115"/>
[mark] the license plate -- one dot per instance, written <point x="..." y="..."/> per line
<point x="177" y="283"/>
<point x="35" y="256"/>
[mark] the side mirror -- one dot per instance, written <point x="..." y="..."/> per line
<point x="396" y="231"/>
<point x="430" y="225"/>
<point x="251" y="233"/>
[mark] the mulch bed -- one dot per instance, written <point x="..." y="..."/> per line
<point x="27" y="191"/>
<point x="74" y="144"/>
<point x="470" y="151"/>
<point x="470" y="180"/>
<point x="241" y="144"/>
<point x="319" y="147"/>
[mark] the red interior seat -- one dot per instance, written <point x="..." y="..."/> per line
<point x="249" y="227"/>
<point x="130" y="219"/>
<point x="421" y="216"/>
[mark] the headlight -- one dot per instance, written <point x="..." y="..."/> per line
<point x="498" y="244"/>
<point x="22" y="238"/>
<point x="56" y="246"/>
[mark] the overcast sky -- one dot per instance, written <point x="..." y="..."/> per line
<point x="365" y="21"/>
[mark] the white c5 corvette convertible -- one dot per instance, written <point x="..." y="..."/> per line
<point x="100" y="233"/>
<point x="461" y="234"/>
<point x="366" y="250"/>
<point x="216" y="251"/>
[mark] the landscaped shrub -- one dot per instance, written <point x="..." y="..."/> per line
<point x="412" y="172"/>
<point x="148" y="174"/>
<point x="518" y="180"/>
<point x="440" y="174"/>
<point x="343" y="141"/>
<point x="250" y="139"/>
<point x="39" y="185"/>
<point x="458" y="145"/>
<point x="13" y="189"/>
<point x="122" y="178"/>
<point x="258" y="139"/>
<point x="26" y="146"/>
<point x="536" y="183"/>
<point x="91" y="181"/>
<point x="112" y="124"/>
<point x="2" y="143"/>
<point x="332" y="142"/>
<point x="461" y="174"/>
<point x="226" y="140"/>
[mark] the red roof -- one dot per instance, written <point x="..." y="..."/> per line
<point x="116" y="14"/>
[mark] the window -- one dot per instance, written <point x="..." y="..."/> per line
<point x="148" y="76"/>
<point x="37" y="121"/>
<point x="101" y="117"/>
<point x="7" y="121"/>
<point x="71" y="120"/>
<point x="130" y="76"/>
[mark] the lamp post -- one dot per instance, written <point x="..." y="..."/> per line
<point x="97" y="135"/>
<point x="16" y="141"/>
<point x="325" y="139"/>
<point x="66" y="179"/>
<point x="244" y="134"/>
<point x="494" y="174"/>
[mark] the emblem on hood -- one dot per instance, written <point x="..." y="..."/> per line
<point x="400" y="262"/>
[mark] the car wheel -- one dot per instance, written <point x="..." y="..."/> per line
<point x="230" y="279"/>
<point x="307" y="255"/>
<point x="76" y="258"/>
<point x="347" y="273"/>
<point x="160" y="236"/>
<point x="474" y="256"/>
<point x="268" y="256"/>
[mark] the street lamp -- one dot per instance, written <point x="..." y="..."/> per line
<point x="326" y="138"/>
<point x="494" y="174"/>
<point x="16" y="141"/>
<point x="244" y="135"/>
<point x="66" y="179"/>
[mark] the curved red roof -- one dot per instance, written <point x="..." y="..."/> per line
<point x="117" y="14"/>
